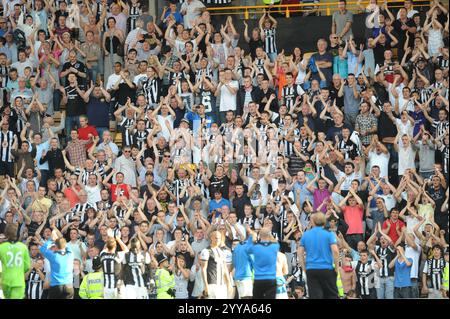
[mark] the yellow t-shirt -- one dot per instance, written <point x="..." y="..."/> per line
<point x="42" y="204"/>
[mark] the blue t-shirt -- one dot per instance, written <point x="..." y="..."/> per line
<point x="243" y="262"/>
<point x="317" y="242"/>
<point x="402" y="275"/>
<point x="61" y="264"/>
<point x="264" y="259"/>
<point x="213" y="204"/>
<point x="177" y="15"/>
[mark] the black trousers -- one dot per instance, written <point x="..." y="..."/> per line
<point x="322" y="284"/>
<point x="353" y="240"/>
<point x="7" y="168"/>
<point x="402" y="293"/>
<point x="61" y="292"/>
<point x="264" y="289"/>
<point x="372" y="293"/>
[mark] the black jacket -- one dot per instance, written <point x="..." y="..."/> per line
<point x="240" y="98"/>
<point x="55" y="160"/>
<point x="264" y="97"/>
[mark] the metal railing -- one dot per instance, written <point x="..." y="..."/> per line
<point x="287" y="9"/>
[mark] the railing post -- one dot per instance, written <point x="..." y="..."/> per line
<point x="246" y="15"/>
<point x="328" y="10"/>
<point x="288" y="14"/>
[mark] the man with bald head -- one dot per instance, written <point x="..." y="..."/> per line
<point x="322" y="259"/>
<point x="264" y="251"/>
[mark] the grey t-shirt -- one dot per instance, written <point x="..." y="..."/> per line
<point x="426" y="156"/>
<point x="351" y="104"/>
<point x="369" y="61"/>
<point x="45" y="96"/>
<point x="341" y="20"/>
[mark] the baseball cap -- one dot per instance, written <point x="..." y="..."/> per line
<point x="184" y="120"/>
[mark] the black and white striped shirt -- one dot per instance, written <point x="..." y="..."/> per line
<point x="290" y="94"/>
<point x="151" y="89"/>
<point x="178" y="186"/>
<point x="216" y="265"/>
<point x="85" y="174"/>
<point x="442" y="63"/>
<point x="386" y="255"/>
<point x="434" y="269"/>
<point x="424" y="94"/>
<point x="6" y="143"/>
<point x="365" y="275"/>
<point x="134" y="268"/>
<point x="270" y="45"/>
<point x="111" y="266"/>
<point x="138" y="138"/>
<point x="4" y="71"/>
<point x="79" y="209"/>
<point x="250" y="221"/>
<point x="126" y="125"/>
<point x="439" y="127"/>
<point x="34" y="285"/>
<point x="134" y="14"/>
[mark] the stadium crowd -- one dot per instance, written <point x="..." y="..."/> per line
<point x="195" y="161"/>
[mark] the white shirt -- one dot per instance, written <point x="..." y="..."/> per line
<point x="406" y="158"/>
<point x="241" y="230"/>
<point x="191" y="12"/>
<point x="398" y="89"/>
<point x="381" y="160"/>
<point x="112" y="79"/>
<point x="415" y="256"/>
<point x="263" y="188"/>
<point x="75" y="248"/>
<point x="389" y="201"/>
<point x="405" y="128"/>
<point x="93" y="193"/>
<point x="20" y="66"/>
<point x="227" y="99"/>
<point x="128" y="168"/>
<point x="8" y="6"/>
<point x="164" y="129"/>
<point x="409" y="14"/>
<point x="345" y="186"/>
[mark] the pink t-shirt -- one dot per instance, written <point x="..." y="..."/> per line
<point x="353" y="216"/>
<point x="319" y="197"/>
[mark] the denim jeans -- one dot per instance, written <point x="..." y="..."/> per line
<point x="426" y="175"/>
<point x="92" y="72"/>
<point x="414" y="288"/>
<point x="71" y="122"/>
<point x="272" y="56"/>
<point x="386" y="290"/>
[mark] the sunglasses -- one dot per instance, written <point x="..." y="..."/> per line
<point x="127" y="151"/>
<point x="166" y="155"/>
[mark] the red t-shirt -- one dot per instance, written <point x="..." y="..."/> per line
<point x="72" y="196"/>
<point x="392" y="231"/>
<point x="353" y="216"/>
<point x="117" y="190"/>
<point x="83" y="134"/>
